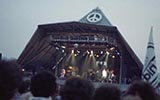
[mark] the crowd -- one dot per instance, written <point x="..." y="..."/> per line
<point x="43" y="86"/>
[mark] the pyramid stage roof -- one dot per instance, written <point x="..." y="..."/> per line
<point x="51" y="44"/>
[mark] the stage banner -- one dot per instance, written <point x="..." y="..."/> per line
<point x="150" y="71"/>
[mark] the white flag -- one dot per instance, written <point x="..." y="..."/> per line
<point x="150" y="71"/>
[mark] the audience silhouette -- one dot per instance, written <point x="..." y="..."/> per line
<point x="77" y="88"/>
<point x="107" y="92"/>
<point x="142" y="90"/>
<point x="10" y="77"/>
<point x="43" y="86"/>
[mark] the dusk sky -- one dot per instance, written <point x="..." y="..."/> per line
<point x="133" y="18"/>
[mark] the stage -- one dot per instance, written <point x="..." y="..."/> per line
<point x="123" y="87"/>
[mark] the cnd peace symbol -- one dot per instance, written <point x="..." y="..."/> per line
<point x="94" y="17"/>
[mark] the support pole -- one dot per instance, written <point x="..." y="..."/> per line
<point x="120" y="71"/>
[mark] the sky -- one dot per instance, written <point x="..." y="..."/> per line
<point x="133" y="18"/>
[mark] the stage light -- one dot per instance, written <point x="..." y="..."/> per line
<point x="112" y="48"/>
<point x="91" y="52"/>
<point x="57" y="48"/>
<point x="72" y="51"/>
<point x="70" y="67"/>
<point x="78" y="52"/>
<point x="63" y="46"/>
<point x="101" y="52"/>
<point x="75" y="54"/>
<point x="113" y="56"/>
<point x="107" y="52"/>
<point x="23" y="70"/>
<point x="87" y="52"/>
<point x="97" y="56"/>
<point x="90" y="55"/>
<point x="62" y="50"/>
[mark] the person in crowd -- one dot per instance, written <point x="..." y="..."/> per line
<point x="107" y="92"/>
<point x="26" y="96"/>
<point x="10" y="77"/>
<point x="43" y="86"/>
<point x="104" y="75"/>
<point x="142" y="90"/>
<point x="24" y="86"/>
<point x="131" y="97"/>
<point x="63" y="74"/>
<point x="77" y="88"/>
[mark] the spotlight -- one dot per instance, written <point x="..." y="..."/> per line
<point x="62" y="50"/>
<point x="112" y="48"/>
<point x="78" y="51"/>
<point x="87" y="52"/>
<point x="63" y="46"/>
<point x="97" y="56"/>
<point x="57" y="48"/>
<point x="23" y="70"/>
<point x="91" y="52"/>
<point x="101" y="52"/>
<point x="113" y="56"/>
<point x="107" y="52"/>
<point x="70" y="67"/>
<point x="72" y="51"/>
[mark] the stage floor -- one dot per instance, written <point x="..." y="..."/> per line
<point x="123" y="87"/>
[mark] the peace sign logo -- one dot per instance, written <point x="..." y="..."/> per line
<point x="94" y="17"/>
